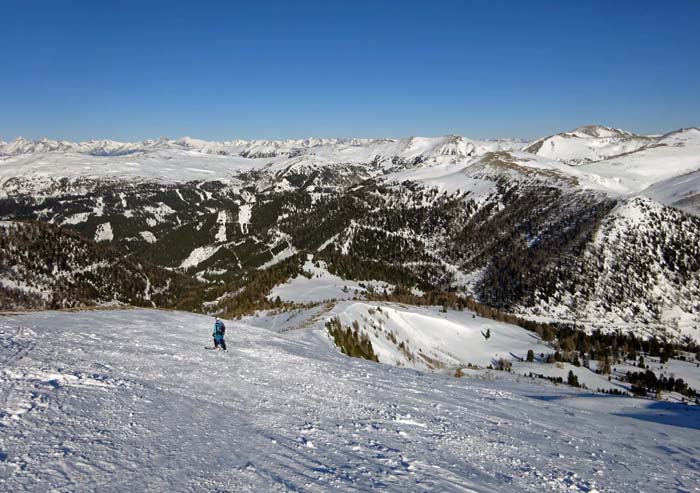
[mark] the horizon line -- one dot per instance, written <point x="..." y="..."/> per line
<point x="163" y="137"/>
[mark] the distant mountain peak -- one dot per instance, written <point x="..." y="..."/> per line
<point x="588" y="143"/>
<point x="601" y="132"/>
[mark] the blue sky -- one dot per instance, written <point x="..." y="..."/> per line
<point x="220" y="70"/>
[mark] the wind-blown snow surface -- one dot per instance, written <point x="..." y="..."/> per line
<point x="129" y="401"/>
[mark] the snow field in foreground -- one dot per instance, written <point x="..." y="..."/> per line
<point x="129" y="400"/>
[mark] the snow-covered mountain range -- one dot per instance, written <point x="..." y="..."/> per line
<point x="520" y="226"/>
<point x="411" y="147"/>
<point x="615" y="160"/>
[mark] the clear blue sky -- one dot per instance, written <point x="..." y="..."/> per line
<point x="220" y="70"/>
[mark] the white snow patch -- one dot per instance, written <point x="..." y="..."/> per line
<point x="244" y="214"/>
<point x="221" y="221"/>
<point x="286" y="253"/>
<point x="432" y="339"/>
<point x="199" y="255"/>
<point x="22" y="286"/>
<point x="158" y="213"/>
<point x="99" y="208"/>
<point x="104" y="232"/>
<point x="78" y="218"/>
<point x="320" y="285"/>
<point x="148" y="236"/>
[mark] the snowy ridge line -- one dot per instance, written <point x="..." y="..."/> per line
<point x="76" y="309"/>
<point x="447" y="145"/>
<point x="447" y="163"/>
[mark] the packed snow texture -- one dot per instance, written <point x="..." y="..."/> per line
<point x="129" y="400"/>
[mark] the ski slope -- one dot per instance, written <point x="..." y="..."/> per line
<point x="129" y="400"/>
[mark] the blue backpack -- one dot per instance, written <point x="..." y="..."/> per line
<point x="220" y="328"/>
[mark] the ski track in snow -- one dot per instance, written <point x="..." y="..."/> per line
<point x="128" y="400"/>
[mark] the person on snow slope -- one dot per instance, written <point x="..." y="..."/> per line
<point x="219" y="331"/>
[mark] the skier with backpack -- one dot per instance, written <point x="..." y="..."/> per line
<point x="219" y="331"/>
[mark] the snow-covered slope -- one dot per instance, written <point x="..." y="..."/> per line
<point x="109" y="401"/>
<point x="623" y="162"/>
<point x="423" y="338"/>
<point x="36" y="167"/>
<point x="192" y="159"/>
<point x="640" y="272"/>
<point x="681" y="192"/>
<point x="672" y="155"/>
<point x="587" y="144"/>
<point x="163" y="166"/>
<point x="316" y="284"/>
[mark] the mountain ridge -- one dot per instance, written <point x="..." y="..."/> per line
<point x="514" y="229"/>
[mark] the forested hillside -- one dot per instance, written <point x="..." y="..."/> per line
<point x="42" y="266"/>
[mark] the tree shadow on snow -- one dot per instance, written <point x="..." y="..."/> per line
<point x="667" y="413"/>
